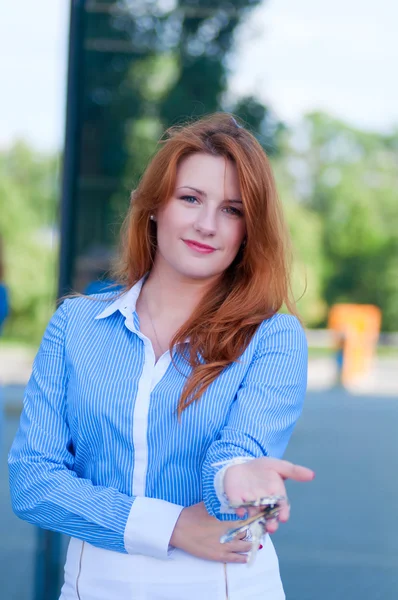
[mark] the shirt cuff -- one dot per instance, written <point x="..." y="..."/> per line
<point x="150" y="526"/>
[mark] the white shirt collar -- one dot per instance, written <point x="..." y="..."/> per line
<point x="125" y="303"/>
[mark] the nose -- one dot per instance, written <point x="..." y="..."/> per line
<point x="205" y="222"/>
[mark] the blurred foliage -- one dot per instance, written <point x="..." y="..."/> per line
<point x="179" y="70"/>
<point x="306" y="229"/>
<point x="28" y="207"/>
<point x="349" y="179"/>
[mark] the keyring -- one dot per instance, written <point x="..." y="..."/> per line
<point x="265" y="501"/>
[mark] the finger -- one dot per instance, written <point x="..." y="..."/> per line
<point x="302" y="473"/>
<point x="241" y="512"/>
<point x="234" y="557"/>
<point x="284" y="511"/>
<point x="272" y="525"/>
<point x="238" y="546"/>
<point x="288" y="470"/>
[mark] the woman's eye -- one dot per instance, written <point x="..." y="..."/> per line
<point x="190" y="199"/>
<point x="231" y="210"/>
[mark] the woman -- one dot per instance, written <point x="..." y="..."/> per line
<point x="134" y="402"/>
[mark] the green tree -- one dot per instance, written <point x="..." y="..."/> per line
<point x="28" y="207"/>
<point x="306" y="228"/>
<point x="349" y="178"/>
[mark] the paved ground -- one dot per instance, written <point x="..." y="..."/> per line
<point x="342" y="540"/>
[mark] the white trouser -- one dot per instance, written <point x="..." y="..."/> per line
<point x="95" y="574"/>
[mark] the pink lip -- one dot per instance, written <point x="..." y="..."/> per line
<point x="199" y="247"/>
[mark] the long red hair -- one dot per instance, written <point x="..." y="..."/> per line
<point x="257" y="283"/>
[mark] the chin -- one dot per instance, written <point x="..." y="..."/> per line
<point x="198" y="272"/>
<point x="198" y="275"/>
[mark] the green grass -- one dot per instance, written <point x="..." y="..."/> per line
<point x="387" y="351"/>
<point x="381" y="352"/>
<point x="320" y="352"/>
<point x="13" y="344"/>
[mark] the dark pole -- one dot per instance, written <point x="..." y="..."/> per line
<point x="49" y="555"/>
<point x="71" y="147"/>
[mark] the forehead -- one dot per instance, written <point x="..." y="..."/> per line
<point x="209" y="173"/>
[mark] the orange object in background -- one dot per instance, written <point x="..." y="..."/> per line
<point x="356" y="329"/>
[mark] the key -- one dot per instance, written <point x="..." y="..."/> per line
<point x="256" y="524"/>
<point x="257" y="530"/>
<point x="269" y="512"/>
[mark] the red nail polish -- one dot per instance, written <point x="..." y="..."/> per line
<point x="260" y="546"/>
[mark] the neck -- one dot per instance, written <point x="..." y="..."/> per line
<point x="172" y="294"/>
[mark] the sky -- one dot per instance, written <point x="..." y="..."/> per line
<point x="295" y="55"/>
<point x="340" y="56"/>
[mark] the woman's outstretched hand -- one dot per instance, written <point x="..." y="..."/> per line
<point x="197" y="533"/>
<point x="260" y="477"/>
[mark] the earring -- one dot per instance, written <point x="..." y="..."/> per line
<point x="152" y="217"/>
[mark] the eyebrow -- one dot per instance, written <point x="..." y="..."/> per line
<point x="202" y="193"/>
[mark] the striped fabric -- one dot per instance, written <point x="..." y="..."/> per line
<point x="100" y="454"/>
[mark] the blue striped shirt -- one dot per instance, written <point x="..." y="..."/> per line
<point x="100" y="454"/>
